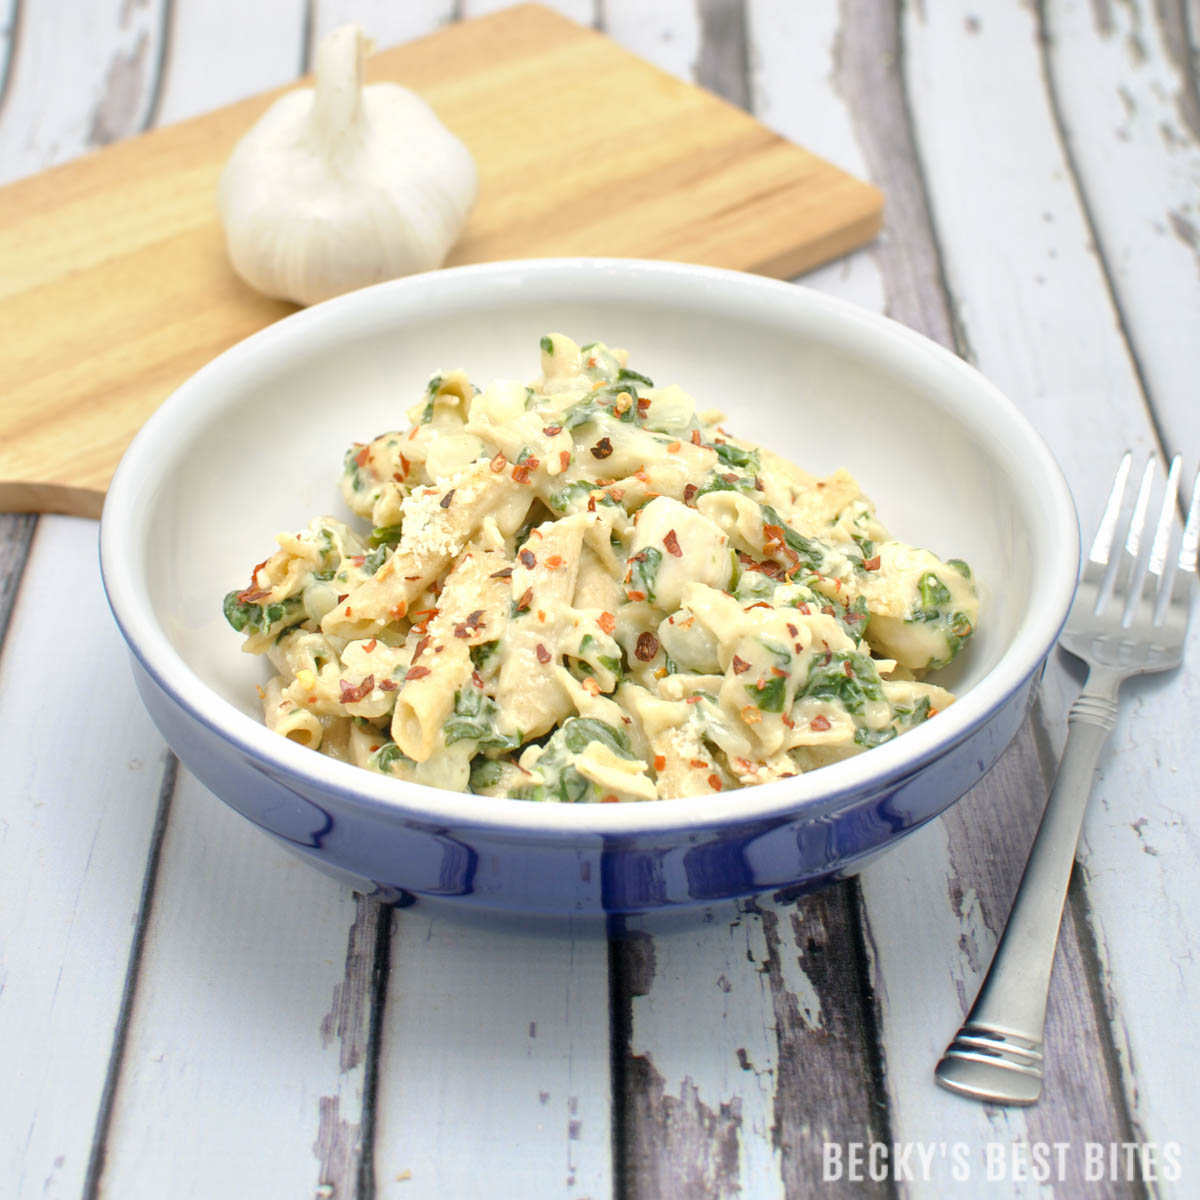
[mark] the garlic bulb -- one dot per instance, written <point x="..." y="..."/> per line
<point x="343" y="185"/>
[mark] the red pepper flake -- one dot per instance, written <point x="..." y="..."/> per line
<point x="387" y="685"/>
<point x="607" y="622"/>
<point x="636" y="595"/>
<point x="647" y="647"/>
<point x="477" y="679"/>
<point x="714" y="782"/>
<point x="659" y="762"/>
<point x="564" y="458"/>
<point x="421" y="647"/>
<point x="552" y="430"/>
<point x="871" y="564"/>
<point x="933" y="712"/>
<point x="674" y="447"/>
<point x="803" y="608"/>
<point x="591" y="504"/>
<point x="603" y="448"/>
<point x="698" y="764"/>
<point x="417" y="673"/>
<point x="348" y="610"/>
<point x="740" y="665"/>
<point x="848" y="670"/>
<point x="610" y="799"/>
<point x="369" y="646"/>
<point x="361" y="457"/>
<point x="521" y="473"/>
<point x="252" y="594"/>
<point x="758" y="484"/>
<point x="526" y="600"/>
<point x="616" y="493"/>
<point x="820" y="723"/>
<point x="756" y="604"/>
<point x="498" y="463"/>
<point x="779" y="672"/>
<point x="399" y="610"/>
<point x="470" y="626"/>
<point x="591" y="362"/>
<point x="693" y="700"/>
<point x="527" y="558"/>
<point x="554" y="562"/>
<point x="352" y="693"/>
<point x="689" y="492"/>
<point x="591" y="686"/>
<point x="447" y="499"/>
<point x="729" y="477"/>
<point x="643" y="406"/>
<point x="793" y="630"/>
<point x="543" y="655"/>
<point x="405" y="465"/>
<point x="503" y="573"/>
<point x="695" y="437"/>
<point x="671" y="541"/>
<point x="788" y="721"/>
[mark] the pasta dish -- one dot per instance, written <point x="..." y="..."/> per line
<point x="584" y="590"/>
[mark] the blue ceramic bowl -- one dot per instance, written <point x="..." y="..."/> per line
<point x="252" y="445"/>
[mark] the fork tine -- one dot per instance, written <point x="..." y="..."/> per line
<point x="1105" y="533"/>
<point x="1126" y="575"/>
<point x="1166" y="520"/>
<point x="1191" y="532"/>
<point x="1186" y="564"/>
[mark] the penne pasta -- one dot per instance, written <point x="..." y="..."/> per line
<point x="582" y="589"/>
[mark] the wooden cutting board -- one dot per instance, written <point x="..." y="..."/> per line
<point x="114" y="285"/>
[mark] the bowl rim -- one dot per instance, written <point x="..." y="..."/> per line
<point x="124" y="518"/>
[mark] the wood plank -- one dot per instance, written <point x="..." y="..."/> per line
<point x="267" y="52"/>
<point x="250" y="1021"/>
<point x="386" y="22"/>
<point x="109" y="51"/>
<point x="745" y="1043"/>
<point x="72" y="859"/>
<point x="98" y="329"/>
<point x="1038" y="318"/>
<point x="494" y="1058"/>
<point x="1126" y="101"/>
<point x="921" y="886"/>
<point x="743" y="1033"/>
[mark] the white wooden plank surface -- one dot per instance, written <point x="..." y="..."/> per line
<point x="8" y="21"/>
<point x="746" y="1038"/>
<point x="927" y="873"/>
<point x="78" y="81"/>
<point x="583" y="11"/>
<point x="241" y="1036"/>
<point x="72" y="858"/>
<point x="494" y="1063"/>
<point x="1064" y="362"/>
<point x="258" y="46"/>
<point x="1130" y="115"/>
<point x="384" y="20"/>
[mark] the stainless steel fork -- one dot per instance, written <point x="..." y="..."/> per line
<point x="1129" y="617"/>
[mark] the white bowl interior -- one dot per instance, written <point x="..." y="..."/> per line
<point x="253" y="445"/>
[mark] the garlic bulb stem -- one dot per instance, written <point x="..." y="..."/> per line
<point x="340" y="70"/>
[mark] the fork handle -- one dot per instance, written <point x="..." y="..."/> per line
<point x="997" y="1055"/>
